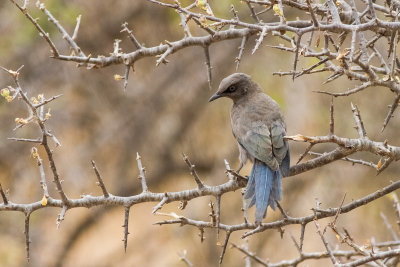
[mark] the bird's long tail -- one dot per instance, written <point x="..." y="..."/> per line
<point x="264" y="188"/>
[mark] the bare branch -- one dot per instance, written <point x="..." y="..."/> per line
<point x="251" y="255"/>
<point x="303" y="230"/>
<point x="208" y="64"/>
<point x="27" y="238"/>
<point x="260" y="39"/>
<point x="38" y="141"/>
<point x="142" y="177"/>
<point x="359" y="123"/>
<point x="244" y="207"/>
<point x="294" y="262"/>
<point x="228" y="234"/>
<point x="76" y="30"/>
<point x="333" y="10"/>
<point x="3" y="195"/>
<point x="42" y="33"/>
<point x="61" y="216"/>
<point x="193" y="172"/>
<point x="183" y="258"/>
<point x="371" y="9"/>
<point x="313" y="17"/>
<point x="42" y="174"/>
<point x="241" y="49"/>
<point x="218" y="216"/>
<point x="349" y="92"/>
<point x="184" y="24"/>
<point x="296" y="55"/>
<point x="389" y="226"/>
<point x="339" y="57"/>
<point x="354" y="161"/>
<point x="130" y="35"/>
<point x="332" y="119"/>
<point x="381" y="255"/>
<point x="319" y="214"/>
<point x="162" y="202"/>
<point x="393" y="107"/>
<point x="61" y="29"/>
<point x="252" y="12"/>
<point x="100" y="180"/>
<point x="328" y="249"/>
<point x="125" y="226"/>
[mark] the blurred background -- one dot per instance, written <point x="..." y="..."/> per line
<point x="164" y="113"/>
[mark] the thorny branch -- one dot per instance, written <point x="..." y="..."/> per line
<point x="346" y="147"/>
<point x="355" y="59"/>
<point x="332" y="18"/>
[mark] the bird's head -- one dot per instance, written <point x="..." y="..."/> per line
<point x="235" y="86"/>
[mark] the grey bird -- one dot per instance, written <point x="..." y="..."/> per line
<point x="259" y="128"/>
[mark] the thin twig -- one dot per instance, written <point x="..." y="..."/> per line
<point x="389" y="227"/>
<point x="161" y="203"/>
<point x="38" y="141"/>
<point x="241" y="49"/>
<point x="184" y="25"/>
<point x="251" y="255"/>
<point x="27" y="238"/>
<point x="76" y="30"/>
<point x="313" y="17"/>
<point x="125" y="226"/>
<point x="218" y="213"/>
<point x="305" y="153"/>
<point x="303" y="230"/>
<point x="252" y="12"/>
<point x="349" y="92"/>
<point x="328" y="249"/>
<point x="354" y="161"/>
<point x="296" y="55"/>
<point x="126" y="75"/>
<point x="3" y="195"/>
<point x="332" y="119"/>
<point x="359" y="123"/>
<point x="142" y="177"/>
<point x="393" y="107"/>
<point x="61" y="216"/>
<point x="61" y="29"/>
<point x="100" y="180"/>
<point x="42" y="173"/>
<point x="208" y="64"/>
<point x="42" y="33"/>
<point x="260" y="39"/>
<point x="228" y="234"/>
<point x="183" y="258"/>
<point x="193" y="172"/>
<point x="130" y="35"/>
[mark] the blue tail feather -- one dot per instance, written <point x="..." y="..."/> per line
<point x="263" y="179"/>
<point x="250" y="186"/>
<point x="285" y="165"/>
<point x="264" y="188"/>
<point x="276" y="190"/>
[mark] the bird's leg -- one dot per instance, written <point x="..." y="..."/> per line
<point x="240" y="167"/>
<point x="242" y="158"/>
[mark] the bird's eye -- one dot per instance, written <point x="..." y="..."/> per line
<point x="231" y="88"/>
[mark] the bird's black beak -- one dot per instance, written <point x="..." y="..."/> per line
<point x="215" y="96"/>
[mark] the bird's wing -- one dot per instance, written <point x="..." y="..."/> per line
<point x="280" y="146"/>
<point x="267" y="146"/>
<point x="257" y="141"/>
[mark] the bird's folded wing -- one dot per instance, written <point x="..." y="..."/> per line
<point x="257" y="142"/>
<point x="280" y="146"/>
